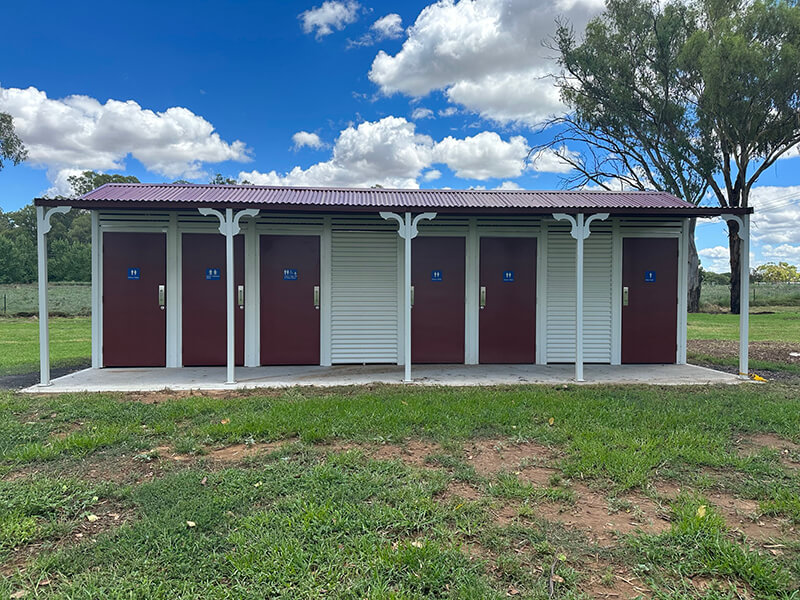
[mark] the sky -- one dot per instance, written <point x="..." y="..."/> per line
<point x="411" y="94"/>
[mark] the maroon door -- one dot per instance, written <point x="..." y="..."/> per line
<point x="204" y="302"/>
<point x="437" y="317"/>
<point x="134" y="314"/>
<point x="289" y="304"/>
<point x="507" y="329"/>
<point x="650" y="319"/>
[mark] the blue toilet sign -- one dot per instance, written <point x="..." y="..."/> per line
<point x="290" y="274"/>
<point x="212" y="274"/>
<point x="134" y="273"/>
<point x="436" y="275"/>
<point x="649" y="276"/>
<point x="508" y="276"/>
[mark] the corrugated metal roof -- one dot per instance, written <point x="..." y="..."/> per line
<point x="163" y="195"/>
<point x="379" y="197"/>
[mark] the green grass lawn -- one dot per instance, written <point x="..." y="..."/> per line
<point x="107" y="496"/>
<point x="65" y="299"/>
<point x="781" y="326"/>
<point x="70" y="343"/>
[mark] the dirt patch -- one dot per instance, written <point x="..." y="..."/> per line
<point x="789" y="452"/>
<point x="779" y="352"/>
<point x="413" y="452"/>
<point x="606" y="580"/>
<point x="529" y="459"/>
<point x="603" y="519"/>
<point x="741" y="515"/>
<point x="460" y="490"/>
<point x="239" y="452"/>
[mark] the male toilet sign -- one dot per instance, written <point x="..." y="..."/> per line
<point x="212" y="274"/>
<point x="649" y="276"/>
<point x="134" y="273"/>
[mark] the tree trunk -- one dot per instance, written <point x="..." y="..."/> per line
<point x="694" y="272"/>
<point x="734" y="244"/>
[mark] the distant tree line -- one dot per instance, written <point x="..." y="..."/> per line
<point x="69" y="242"/>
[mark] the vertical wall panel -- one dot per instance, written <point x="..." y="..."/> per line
<point x="364" y="296"/>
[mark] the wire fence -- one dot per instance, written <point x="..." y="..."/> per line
<point x="64" y="299"/>
<point x="761" y="294"/>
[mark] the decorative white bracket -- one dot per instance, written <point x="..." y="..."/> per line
<point x="737" y="219"/>
<point x="228" y="225"/>
<point x="403" y="230"/>
<point x="43" y="217"/>
<point x="576" y="226"/>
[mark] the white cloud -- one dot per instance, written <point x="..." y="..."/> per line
<point x="329" y="16"/>
<point x="782" y="253"/>
<point x="448" y="112"/>
<point x="552" y="161"/>
<point x="421" y="113"/>
<point x="486" y="55"/>
<point x="79" y="133"/>
<point x="391" y="153"/>
<point x="509" y="185"/>
<point x="776" y="219"/>
<point x="483" y="156"/>
<point x="388" y="27"/>
<point x="305" y="138"/>
<point x="716" y="259"/>
<point x="387" y="152"/>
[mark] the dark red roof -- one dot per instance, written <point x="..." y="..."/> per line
<point x="344" y="199"/>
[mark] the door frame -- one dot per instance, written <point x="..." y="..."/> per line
<point x="541" y="279"/>
<point x="253" y="273"/>
<point x="682" y="300"/>
<point x="169" y="228"/>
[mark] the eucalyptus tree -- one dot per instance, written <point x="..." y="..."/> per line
<point x="697" y="98"/>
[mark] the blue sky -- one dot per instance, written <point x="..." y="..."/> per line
<point x="410" y="94"/>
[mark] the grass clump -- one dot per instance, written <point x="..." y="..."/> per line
<point x="698" y="543"/>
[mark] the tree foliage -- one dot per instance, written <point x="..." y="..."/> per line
<point x="686" y="97"/>
<point x="69" y="240"/>
<point x="782" y="272"/>
<point x="90" y="180"/>
<point x="11" y="147"/>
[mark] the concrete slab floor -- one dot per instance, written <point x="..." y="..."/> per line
<point x="213" y="378"/>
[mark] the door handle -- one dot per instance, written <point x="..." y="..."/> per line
<point x="162" y="295"/>
<point x="412" y="296"/>
<point x="625" y="296"/>
<point x="316" y="297"/>
<point x="240" y="295"/>
<point x="483" y="296"/>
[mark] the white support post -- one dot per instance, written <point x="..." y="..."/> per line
<point x="580" y="231"/>
<point x="229" y="227"/>
<point x="579" y="304"/>
<point x="744" y="292"/>
<point x="42" y="228"/>
<point x="408" y="231"/>
<point x="97" y="297"/>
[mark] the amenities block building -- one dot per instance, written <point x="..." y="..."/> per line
<point x="209" y="275"/>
